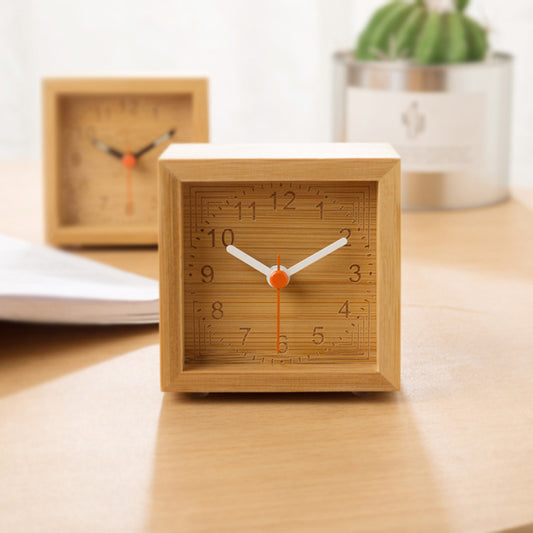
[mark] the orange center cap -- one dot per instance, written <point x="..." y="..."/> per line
<point x="279" y="279"/>
<point x="129" y="160"/>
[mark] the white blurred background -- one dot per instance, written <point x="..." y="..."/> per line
<point x="269" y="62"/>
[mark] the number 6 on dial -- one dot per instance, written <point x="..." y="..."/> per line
<point x="280" y="268"/>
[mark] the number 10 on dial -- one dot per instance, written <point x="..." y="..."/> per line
<point x="279" y="268"/>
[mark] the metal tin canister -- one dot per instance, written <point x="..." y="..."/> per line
<point x="449" y="123"/>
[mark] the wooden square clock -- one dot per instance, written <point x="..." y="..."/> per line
<point x="280" y="268"/>
<point x="102" y="138"/>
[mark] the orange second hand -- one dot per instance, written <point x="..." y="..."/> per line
<point x="129" y="199"/>
<point x="129" y="202"/>
<point x="277" y="336"/>
<point x="278" y="313"/>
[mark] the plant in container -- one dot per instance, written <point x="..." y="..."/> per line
<point x="422" y="77"/>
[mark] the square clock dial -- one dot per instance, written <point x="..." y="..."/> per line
<point x="280" y="268"/>
<point x="103" y="139"/>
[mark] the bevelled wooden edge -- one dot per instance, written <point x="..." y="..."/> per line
<point x="389" y="275"/>
<point x="50" y="136"/>
<point x="382" y="376"/>
<point x="169" y="254"/>
<point x="52" y="89"/>
<point x="282" y="380"/>
<point x="281" y="151"/>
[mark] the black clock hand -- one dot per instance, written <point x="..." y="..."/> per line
<point x="105" y="148"/>
<point x="155" y="143"/>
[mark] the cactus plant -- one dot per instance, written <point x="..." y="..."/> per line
<point x="417" y="30"/>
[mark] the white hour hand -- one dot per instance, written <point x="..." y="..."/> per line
<point x="248" y="259"/>
<point x="316" y="256"/>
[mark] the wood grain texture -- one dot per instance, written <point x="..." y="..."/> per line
<point x="218" y="318"/>
<point x="91" y="198"/>
<point x="89" y="443"/>
<point x="389" y="285"/>
<point x="230" y="314"/>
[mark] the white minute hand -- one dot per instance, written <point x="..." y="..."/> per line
<point x="316" y="256"/>
<point x="248" y="259"/>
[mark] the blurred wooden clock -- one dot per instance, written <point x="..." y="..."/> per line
<point x="102" y="139"/>
<point x="280" y="268"/>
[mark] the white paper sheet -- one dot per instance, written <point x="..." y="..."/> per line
<point x="42" y="284"/>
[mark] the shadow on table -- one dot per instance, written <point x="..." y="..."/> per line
<point x="33" y="354"/>
<point x="492" y="239"/>
<point x="241" y="462"/>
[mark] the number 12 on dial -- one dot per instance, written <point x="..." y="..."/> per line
<point x="272" y="269"/>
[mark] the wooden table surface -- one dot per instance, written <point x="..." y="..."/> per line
<point x="89" y="443"/>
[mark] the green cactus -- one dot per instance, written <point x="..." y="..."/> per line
<point x="455" y="49"/>
<point x="414" y="30"/>
<point x="428" y="49"/>
<point x="476" y="37"/>
<point x="366" y="39"/>
<point x="407" y="34"/>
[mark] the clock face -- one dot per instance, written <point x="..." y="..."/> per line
<point x="109" y="146"/>
<point x="327" y="310"/>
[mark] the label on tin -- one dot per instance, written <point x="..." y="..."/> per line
<point x="432" y="131"/>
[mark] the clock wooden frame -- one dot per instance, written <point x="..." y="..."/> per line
<point x="182" y="164"/>
<point x="60" y="233"/>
